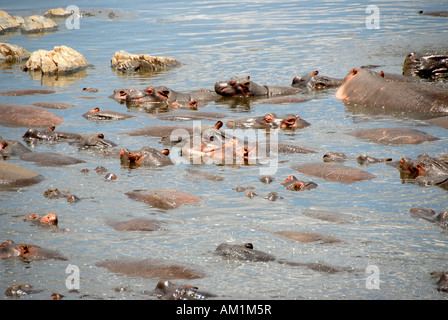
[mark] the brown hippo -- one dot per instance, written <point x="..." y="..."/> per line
<point x="137" y="224"/>
<point x="164" y="199"/>
<point x="12" y="148"/>
<point x="33" y="135"/>
<point x="16" y="176"/>
<point x="370" y="89"/>
<point x="425" y="170"/>
<point x="246" y="252"/>
<point x="97" y="114"/>
<point x="149" y="95"/>
<point x="186" y="115"/>
<point x="18" y="290"/>
<point x="28" y="116"/>
<point x="120" y="95"/>
<point x="430" y="215"/>
<point x="49" y="219"/>
<point x="9" y="249"/>
<point x="161" y="130"/>
<point x="434" y="13"/>
<point x="244" y="87"/>
<point x="440" y="122"/>
<point x="330" y="216"/>
<point x="363" y="159"/>
<point x="333" y="172"/>
<point x="150" y="268"/>
<point x="50" y="159"/>
<point x="146" y="156"/>
<point x="301" y="236"/>
<point x="95" y="140"/>
<point x="25" y="92"/>
<point x="269" y="121"/>
<point x="393" y="135"/>
<point x="54" y="105"/>
<point x="204" y="175"/>
<point x="166" y="290"/>
<point x="442" y="283"/>
<point x="294" y="184"/>
<point x="314" y="81"/>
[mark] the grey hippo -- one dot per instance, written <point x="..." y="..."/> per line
<point x="166" y="290"/>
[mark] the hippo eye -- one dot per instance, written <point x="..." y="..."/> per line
<point x="150" y="90"/>
<point x="247" y="83"/>
<point x="248" y="245"/>
<point x="232" y="83"/>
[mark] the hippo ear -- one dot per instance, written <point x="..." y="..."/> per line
<point x="248" y="245"/>
<point x="381" y="74"/>
<point x="218" y="125"/>
<point x="248" y="77"/>
<point x="52" y="128"/>
<point x="315" y="73"/>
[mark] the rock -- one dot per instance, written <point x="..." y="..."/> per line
<point x="7" y="23"/>
<point x="28" y="116"/>
<point x="37" y="23"/>
<point x="61" y="59"/>
<point x="164" y="199"/>
<point x="57" y="13"/>
<point x="12" y="52"/>
<point x="124" y="61"/>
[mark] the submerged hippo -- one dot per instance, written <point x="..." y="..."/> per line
<point x="137" y="224"/>
<point x="425" y="170"/>
<point x="15" y="176"/>
<point x="25" y="92"/>
<point x="18" y="290"/>
<point x="430" y="215"/>
<point x="185" y="115"/>
<point x="440" y="122"/>
<point x="33" y="135"/>
<point x="95" y="140"/>
<point x="97" y="114"/>
<point x="432" y="66"/>
<point x="120" y="95"/>
<point x="146" y="156"/>
<point x="363" y="159"/>
<point x="54" y="105"/>
<point x="246" y="252"/>
<point x="442" y="283"/>
<point x="149" y="95"/>
<point x="28" y="116"/>
<point x="164" y="198"/>
<point x="314" y="81"/>
<point x="333" y="172"/>
<point x="12" y="148"/>
<point x="434" y="13"/>
<point x="244" y="87"/>
<point x="49" y="219"/>
<point x="150" y="268"/>
<point x="370" y="89"/>
<point x="9" y="249"/>
<point x="393" y="135"/>
<point x="294" y="184"/>
<point x="330" y="216"/>
<point x="50" y="159"/>
<point x="302" y="236"/>
<point x="269" y="121"/>
<point x="166" y="290"/>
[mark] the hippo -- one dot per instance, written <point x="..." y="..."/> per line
<point x="49" y="219"/>
<point x="150" y="268"/>
<point x="149" y="95"/>
<point x="12" y="148"/>
<point x="146" y="156"/>
<point x="50" y="159"/>
<point x="366" y="88"/>
<point x="246" y="252"/>
<point x="25" y="92"/>
<point x="120" y="95"/>
<point x="161" y="131"/>
<point x="53" y="105"/>
<point x="244" y="87"/>
<point x="164" y="198"/>
<point x="95" y="140"/>
<point x="269" y="121"/>
<point x="440" y="122"/>
<point x="430" y="215"/>
<point x="18" y="290"/>
<point x="330" y="216"/>
<point x="442" y="283"/>
<point x="294" y="184"/>
<point x="393" y="135"/>
<point x="362" y="159"/>
<point x="204" y="175"/>
<point x="27" y="115"/>
<point x="9" y="249"/>
<point x="50" y="134"/>
<point x="301" y="236"/>
<point x="138" y="224"/>
<point x="16" y="176"/>
<point x="97" y="114"/>
<point x="166" y="290"/>
<point x="425" y="171"/>
<point x="333" y="172"/>
<point x="211" y="145"/>
<point x="314" y="81"/>
<point x="432" y="66"/>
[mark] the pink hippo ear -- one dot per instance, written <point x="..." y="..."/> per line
<point x="381" y="74"/>
<point x="315" y="73"/>
<point x="354" y="71"/>
<point x="95" y="110"/>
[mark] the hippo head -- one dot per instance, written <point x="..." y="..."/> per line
<point x="239" y="87"/>
<point x="120" y="94"/>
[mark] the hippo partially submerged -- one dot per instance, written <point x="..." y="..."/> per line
<point x="314" y="81"/>
<point x="10" y="249"/>
<point x="97" y="114"/>
<point x="393" y="135"/>
<point x="269" y="121"/>
<point x="425" y="171"/>
<point x="146" y="156"/>
<point x="50" y="134"/>
<point x="430" y="215"/>
<point x="164" y="198"/>
<point x="333" y="171"/>
<point x="15" y="176"/>
<point x="150" y="268"/>
<point x="294" y="184"/>
<point x="244" y="87"/>
<point x="137" y="224"/>
<point x="28" y="116"/>
<point x="433" y="66"/>
<point x="166" y="290"/>
<point x="370" y="89"/>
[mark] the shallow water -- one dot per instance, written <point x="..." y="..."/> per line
<point x="272" y="41"/>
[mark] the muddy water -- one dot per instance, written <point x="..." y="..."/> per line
<point x="272" y="42"/>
